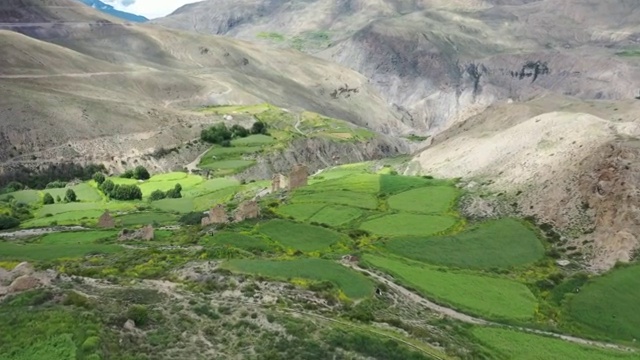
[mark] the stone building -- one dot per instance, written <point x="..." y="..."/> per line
<point x="247" y="210"/>
<point x="217" y="215"/>
<point x="298" y="177"/>
<point x="147" y="233"/>
<point x="279" y="182"/>
<point x="106" y="221"/>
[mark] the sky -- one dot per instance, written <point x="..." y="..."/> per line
<point x="149" y="8"/>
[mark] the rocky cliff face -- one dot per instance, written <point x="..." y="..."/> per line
<point x="319" y="153"/>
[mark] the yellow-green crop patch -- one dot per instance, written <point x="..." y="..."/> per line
<point x="300" y="212"/>
<point x="609" y="304"/>
<point x="77" y="237"/>
<point x="429" y="199"/>
<point x="165" y="183"/>
<point x="498" y="243"/>
<point x="353" y="284"/>
<point x="228" y="165"/>
<point x="66" y="218"/>
<point x="60" y="208"/>
<point x="237" y="240"/>
<point x="145" y="218"/>
<point x="301" y="237"/>
<point x="394" y="184"/>
<point x="210" y="186"/>
<point x="84" y="192"/>
<point x="491" y="297"/>
<point x="253" y="140"/>
<point x="349" y="198"/>
<point x="366" y="183"/>
<point x="408" y="224"/>
<point x="24" y="196"/>
<point x="43" y="252"/>
<point x="515" y="345"/>
<point x="336" y="215"/>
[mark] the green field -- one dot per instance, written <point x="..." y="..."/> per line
<point x="300" y="212"/>
<point x="84" y="192"/>
<point x="499" y="243"/>
<point x="199" y="203"/>
<point x="430" y="199"/>
<point x="301" y="237"/>
<point x="253" y="140"/>
<point x="240" y="241"/>
<point x="509" y="344"/>
<point x="349" y="198"/>
<point x="210" y="186"/>
<point x="336" y="215"/>
<point x="608" y="304"/>
<point x="366" y="183"/>
<point x="50" y="251"/>
<point x="78" y="237"/>
<point x="394" y="184"/>
<point x="353" y="284"/>
<point x="67" y="218"/>
<point x="228" y="164"/>
<point x="491" y="297"/>
<point x="408" y="224"/>
<point x="24" y="196"/>
<point x="145" y="218"/>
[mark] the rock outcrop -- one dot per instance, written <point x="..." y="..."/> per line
<point x="24" y="283"/>
<point x="147" y="233"/>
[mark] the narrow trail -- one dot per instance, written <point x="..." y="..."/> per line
<point x="454" y="314"/>
<point x="73" y="75"/>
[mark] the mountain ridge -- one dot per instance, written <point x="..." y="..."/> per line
<point x="108" y="9"/>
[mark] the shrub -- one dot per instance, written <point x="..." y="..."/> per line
<point x="58" y="199"/>
<point x="70" y="196"/>
<point x="56" y="185"/>
<point x="126" y="192"/>
<point x="47" y="199"/>
<point x="14" y="186"/>
<point x="107" y="187"/>
<point x="216" y="134"/>
<point x="157" y="195"/>
<point x="99" y="178"/>
<point x="192" y="218"/>
<point x="8" y="222"/>
<point x="139" y="314"/>
<point x="259" y="127"/>
<point x="175" y="193"/>
<point x="141" y="173"/>
<point x="238" y="131"/>
<point x="90" y="344"/>
<point x="127" y="174"/>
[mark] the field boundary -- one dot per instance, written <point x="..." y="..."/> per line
<point x="457" y="315"/>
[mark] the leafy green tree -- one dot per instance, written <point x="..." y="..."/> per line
<point x="126" y="192"/>
<point x="141" y="173"/>
<point x="216" y="134"/>
<point x="8" y="222"/>
<point x="127" y="174"/>
<point x="175" y="193"/>
<point x="107" y="187"/>
<point x="47" y="199"/>
<point x="238" y="131"/>
<point x="157" y="195"/>
<point x="14" y="186"/>
<point x="58" y="199"/>
<point x="99" y="178"/>
<point x="259" y="127"/>
<point x="70" y="196"/>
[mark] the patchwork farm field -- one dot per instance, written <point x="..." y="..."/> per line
<point x="608" y="304"/>
<point x="354" y="285"/>
<point x="509" y="344"/>
<point x="403" y="227"/>
<point x="301" y="237"/>
<point x="494" y="244"/>
<point x="492" y="297"/>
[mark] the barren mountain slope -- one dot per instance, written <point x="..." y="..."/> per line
<point x="131" y="88"/>
<point x="572" y="169"/>
<point x="445" y="61"/>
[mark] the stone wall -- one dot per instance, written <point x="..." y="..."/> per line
<point x="217" y="215"/>
<point x="298" y="177"/>
<point x="247" y="210"/>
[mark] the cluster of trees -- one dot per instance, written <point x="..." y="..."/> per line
<point x="121" y="192"/>
<point x="12" y="212"/>
<point x="139" y="173"/>
<point x="174" y="193"/>
<point x="222" y="135"/>
<point x="8" y="222"/>
<point x="69" y="197"/>
<point x="21" y="176"/>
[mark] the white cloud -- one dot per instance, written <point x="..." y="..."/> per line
<point x="149" y="8"/>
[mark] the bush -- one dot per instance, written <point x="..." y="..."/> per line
<point x="56" y="185"/>
<point x="175" y="193"/>
<point x="91" y="344"/>
<point x="107" y="187"/>
<point x="216" y="134"/>
<point x="58" y="199"/>
<point x="14" y="186"/>
<point x="139" y="314"/>
<point x="127" y="174"/>
<point x="47" y="199"/>
<point x="141" y="173"/>
<point x="259" y="127"/>
<point x="126" y="192"/>
<point x="99" y="178"/>
<point x="70" y="196"/>
<point x="192" y="218"/>
<point x="157" y="195"/>
<point x="8" y="222"/>
<point x="238" y="131"/>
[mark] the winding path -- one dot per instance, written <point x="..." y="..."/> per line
<point x="454" y="314"/>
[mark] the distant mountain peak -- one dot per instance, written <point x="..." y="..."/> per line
<point x="108" y="9"/>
